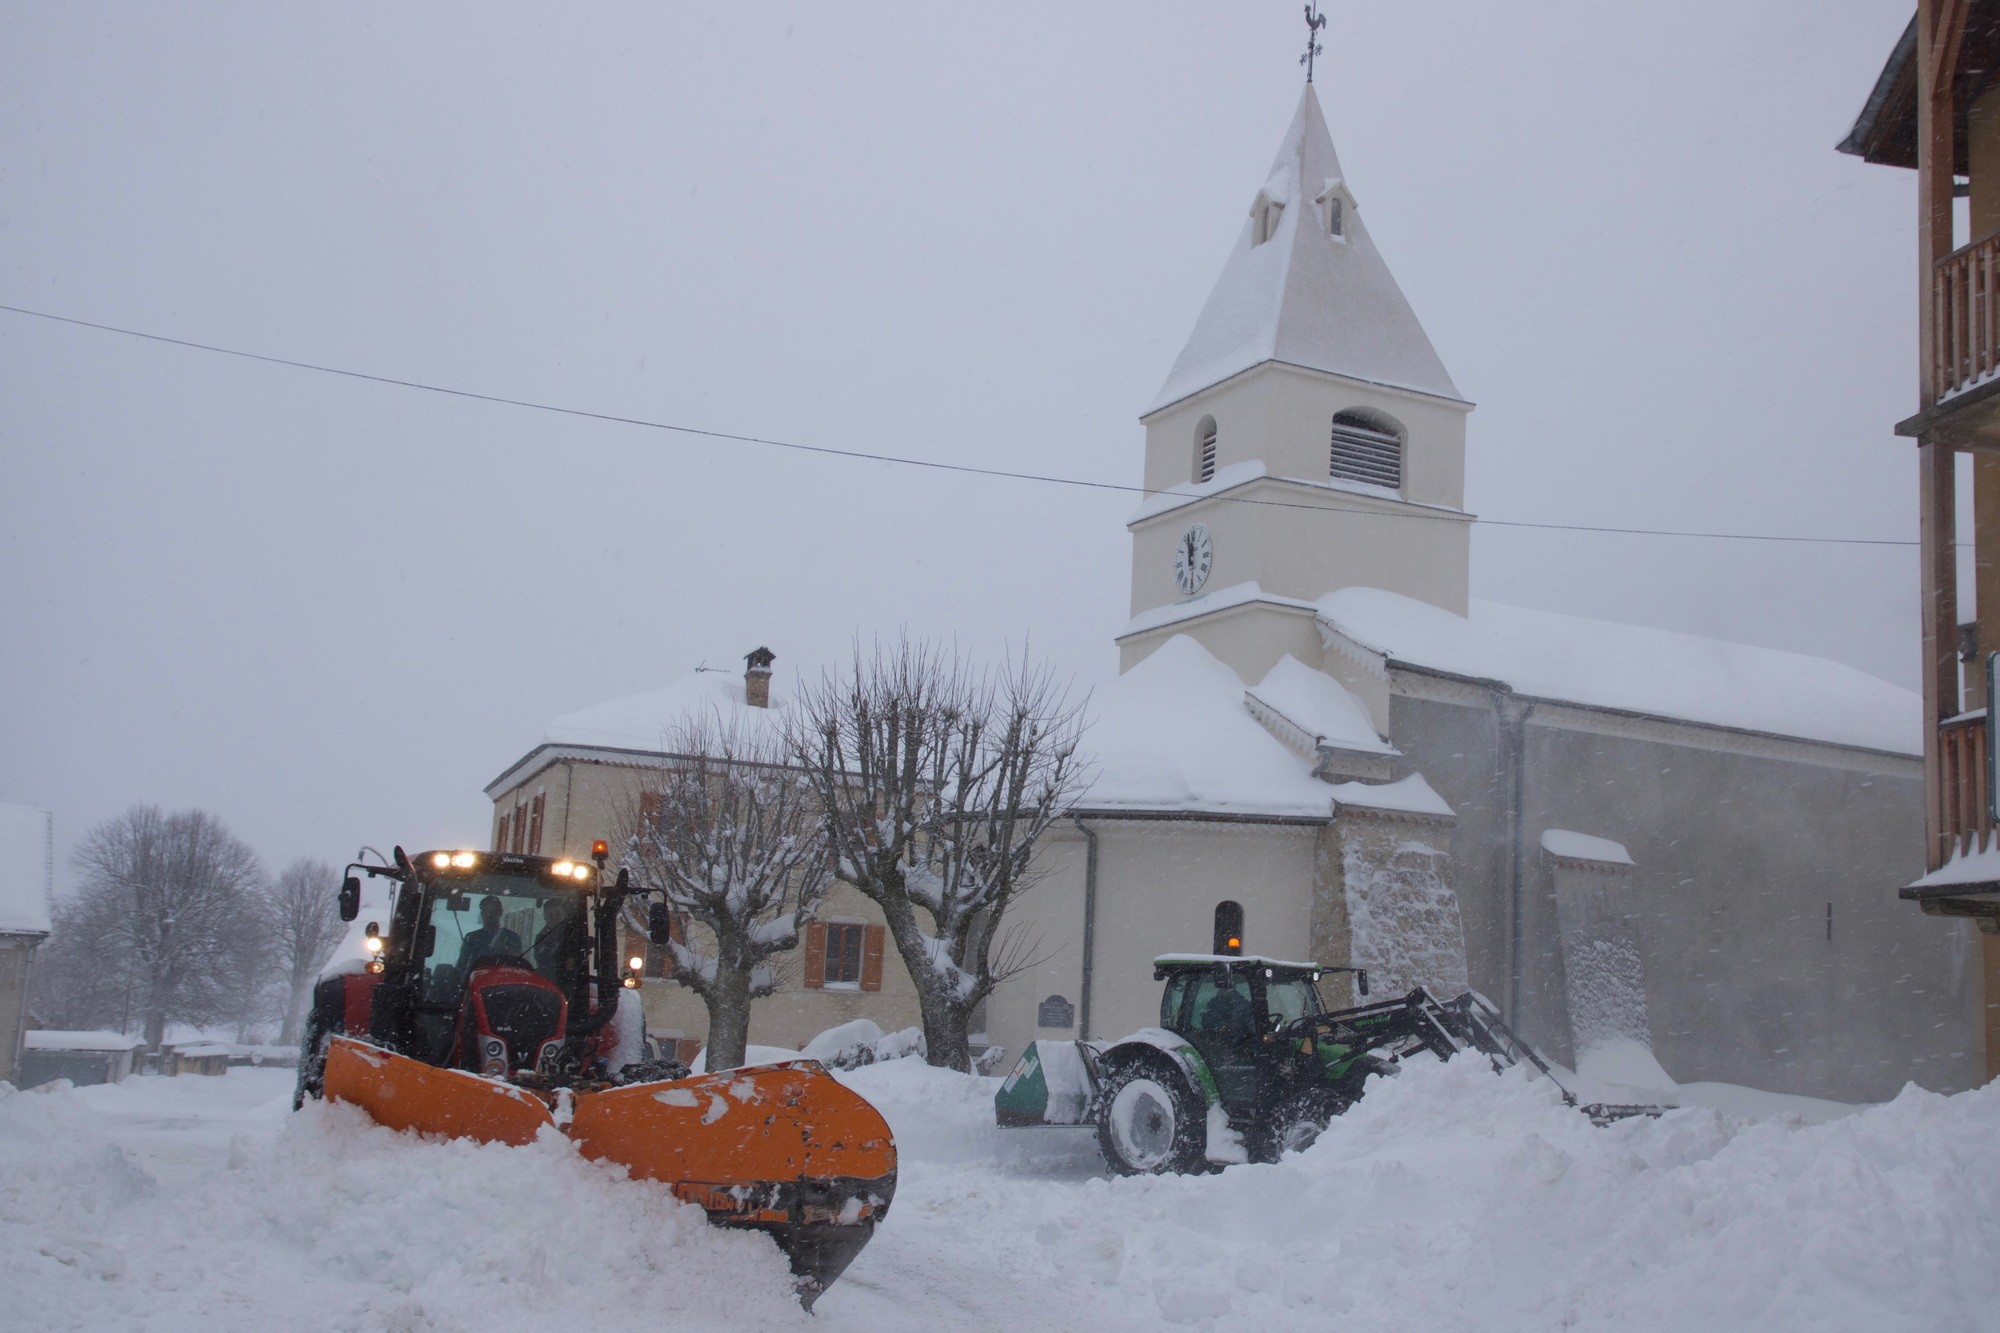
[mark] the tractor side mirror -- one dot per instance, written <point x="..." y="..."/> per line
<point x="660" y="924"/>
<point x="427" y="941"/>
<point x="350" y="898"/>
<point x="1361" y="980"/>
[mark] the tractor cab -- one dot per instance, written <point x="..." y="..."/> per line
<point x="1232" y="1009"/>
<point x="495" y="963"/>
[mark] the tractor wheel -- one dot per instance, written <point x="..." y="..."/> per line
<point x="1149" y="1122"/>
<point x="1302" y="1118"/>
<point x="312" y="1058"/>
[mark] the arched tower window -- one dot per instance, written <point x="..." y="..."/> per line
<point x="1204" y="450"/>
<point x="1367" y="447"/>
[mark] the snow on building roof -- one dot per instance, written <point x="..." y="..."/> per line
<point x="1304" y="296"/>
<point x="1569" y="846"/>
<point x="1319" y="706"/>
<point x="53" y="1039"/>
<point x="649" y="721"/>
<point x="27" y="866"/>
<point x="1173" y="733"/>
<point x="1604" y="664"/>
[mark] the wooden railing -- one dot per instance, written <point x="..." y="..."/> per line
<point x="1963" y="816"/>
<point x="1966" y="337"/>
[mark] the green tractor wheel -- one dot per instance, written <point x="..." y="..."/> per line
<point x="1149" y="1122"/>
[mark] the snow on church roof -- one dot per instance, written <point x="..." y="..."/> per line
<point x="648" y="721"/>
<point x="1603" y="664"/>
<point x="1305" y="297"/>
<point x="1320" y="706"/>
<point x="1173" y="734"/>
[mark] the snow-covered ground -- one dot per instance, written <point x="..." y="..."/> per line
<point x="1447" y="1199"/>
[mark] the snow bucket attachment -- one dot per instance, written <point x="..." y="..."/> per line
<point x="784" y="1149"/>
<point x="1053" y="1083"/>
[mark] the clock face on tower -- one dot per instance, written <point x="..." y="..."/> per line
<point x="1193" y="554"/>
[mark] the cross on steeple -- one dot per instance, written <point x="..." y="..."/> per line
<point x="1314" y="22"/>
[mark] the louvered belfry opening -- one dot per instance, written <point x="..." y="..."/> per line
<point x="1204" y="459"/>
<point x="1367" y="448"/>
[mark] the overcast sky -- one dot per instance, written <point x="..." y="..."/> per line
<point x="330" y="611"/>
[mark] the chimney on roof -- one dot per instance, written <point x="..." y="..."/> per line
<point x="757" y="677"/>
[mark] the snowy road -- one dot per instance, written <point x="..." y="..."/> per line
<point x="1449" y="1199"/>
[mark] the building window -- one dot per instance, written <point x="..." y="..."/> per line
<point x="1367" y="447"/>
<point x="1264" y="215"/>
<point x="1336" y="216"/>
<point x="844" y="954"/>
<point x="535" y="826"/>
<point x="1204" y="450"/>
<point x="520" y="838"/>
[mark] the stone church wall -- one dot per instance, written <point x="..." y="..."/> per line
<point x="1738" y="856"/>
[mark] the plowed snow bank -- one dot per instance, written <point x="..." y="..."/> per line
<point x="335" y="1223"/>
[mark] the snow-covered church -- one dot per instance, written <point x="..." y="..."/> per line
<point x="1655" y="852"/>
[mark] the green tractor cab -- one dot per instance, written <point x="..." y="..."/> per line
<point x="1245" y="1065"/>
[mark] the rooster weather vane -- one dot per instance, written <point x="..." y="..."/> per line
<point x="1314" y="22"/>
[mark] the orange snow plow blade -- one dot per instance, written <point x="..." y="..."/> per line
<point x="407" y="1094"/>
<point x="785" y="1149"/>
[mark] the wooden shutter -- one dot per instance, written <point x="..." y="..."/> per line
<point x="535" y="825"/>
<point x="500" y="837"/>
<point x="815" y="955"/>
<point x="871" y="957"/>
<point x="650" y="803"/>
<point x="520" y="826"/>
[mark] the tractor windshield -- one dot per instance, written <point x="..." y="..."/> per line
<point x="501" y="918"/>
<point x="1288" y="999"/>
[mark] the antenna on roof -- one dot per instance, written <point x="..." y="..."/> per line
<point x="1314" y="22"/>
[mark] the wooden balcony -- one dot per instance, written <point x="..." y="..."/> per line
<point x="1964" y="821"/>
<point x="1966" y="340"/>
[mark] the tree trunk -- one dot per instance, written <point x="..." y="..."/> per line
<point x="947" y="1029"/>
<point x="947" y="1023"/>
<point x="156" y="1027"/>
<point x="728" y="1018"/>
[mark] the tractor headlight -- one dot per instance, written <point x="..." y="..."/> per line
<point x="464" y="860"/>
<point x="373" y="944"/>
<point x="562" y="868"/>
<point x="495" y="1061"/>
<point x="442" y="860"/>
<point x="580" y="871"/>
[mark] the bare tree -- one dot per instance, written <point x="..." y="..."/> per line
<point x="730" y="835"/>
<point x="171" y="909"/>
<point x="305" y="928"/>
<point x="936" y="785"/>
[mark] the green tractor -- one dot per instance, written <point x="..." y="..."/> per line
<point x="1245" y="1065"/>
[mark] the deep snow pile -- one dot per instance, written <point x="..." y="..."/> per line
<point x="324" y="1220"/>
<point x="1449" y="1198"/>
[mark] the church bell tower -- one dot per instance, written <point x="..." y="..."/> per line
<point x="1308" y="438"/>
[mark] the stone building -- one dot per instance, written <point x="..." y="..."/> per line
<point x="1662" y="855"/>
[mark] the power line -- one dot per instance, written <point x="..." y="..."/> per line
<point x="904" y="461"/>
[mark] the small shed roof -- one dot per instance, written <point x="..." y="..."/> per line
<point x="56" y="1039"/>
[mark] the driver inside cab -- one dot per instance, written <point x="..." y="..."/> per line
<point x="1229" y="1011"/>
<point x="490" y="938"/>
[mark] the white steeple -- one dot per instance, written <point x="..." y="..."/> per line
<point x="1305" y="286"/>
